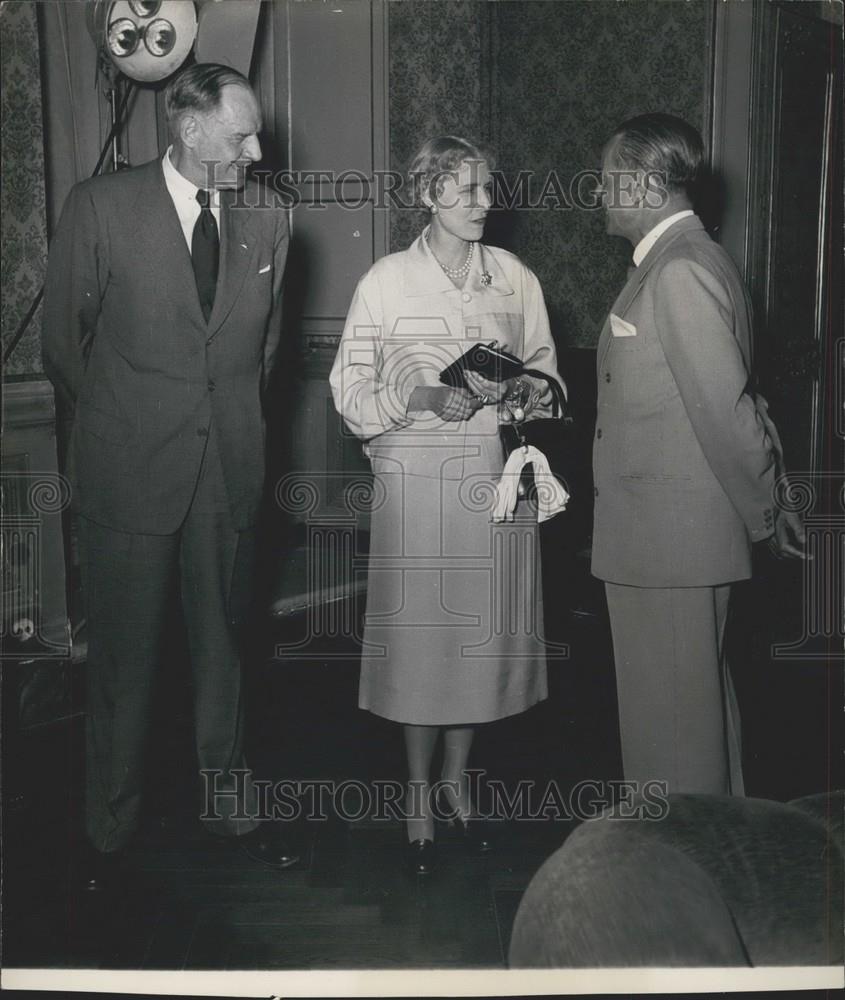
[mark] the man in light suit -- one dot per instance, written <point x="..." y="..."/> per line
<point x="685" y="459"/>
<point x="161" y="318"/>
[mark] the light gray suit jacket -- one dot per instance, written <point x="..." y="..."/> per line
<point x="684" y="455"/>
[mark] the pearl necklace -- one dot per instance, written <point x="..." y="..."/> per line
<point x="454" y="272"/>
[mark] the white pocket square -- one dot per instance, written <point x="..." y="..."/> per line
<point x="621" y="328"/>
<point x="265" y="269"/>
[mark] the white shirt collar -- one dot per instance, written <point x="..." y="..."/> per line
<point x="180" y="188"/>
<point x="654" y="234"/>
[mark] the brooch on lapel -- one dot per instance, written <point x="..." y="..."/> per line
<point x="486" y="279"/>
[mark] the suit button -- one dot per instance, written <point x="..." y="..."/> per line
<point x="607" y="376"/>
<point x="598" y="433"/>
<point x="202" y="432"/>
<point x="211" y="385"/>
<point x="466" y="297"/>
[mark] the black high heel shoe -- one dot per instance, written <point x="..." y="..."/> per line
<point x="472" y="831"/>
<point x="420" y="857"/>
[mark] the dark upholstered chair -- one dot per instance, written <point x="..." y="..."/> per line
<point x="719" y="881"/>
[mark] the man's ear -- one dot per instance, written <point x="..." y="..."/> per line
<point x="189" y="130"/>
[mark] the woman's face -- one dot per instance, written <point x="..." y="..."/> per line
<point x="463" y="200"/>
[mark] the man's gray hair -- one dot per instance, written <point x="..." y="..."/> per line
<point x="198" y="88"/>
<point x="660" y="144"/>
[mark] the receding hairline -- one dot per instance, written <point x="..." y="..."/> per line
<point x="199" y="90"/>
<point x="657" y="132"/>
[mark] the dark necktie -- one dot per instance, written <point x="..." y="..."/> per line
<point x="205" y="254"/>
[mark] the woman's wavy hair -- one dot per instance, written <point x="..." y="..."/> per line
<point x="439" y="158"/>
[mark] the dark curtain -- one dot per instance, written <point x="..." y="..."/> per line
<point x="77" y="116"/>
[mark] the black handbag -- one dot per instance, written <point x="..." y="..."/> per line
<point x="486" y="359"/>
<point x="553" y="436"/>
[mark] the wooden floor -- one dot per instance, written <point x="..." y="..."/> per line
<point x="193" y="902"/>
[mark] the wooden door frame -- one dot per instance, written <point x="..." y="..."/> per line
<point x="743" y="101"/>
<point x="731" y="96"/>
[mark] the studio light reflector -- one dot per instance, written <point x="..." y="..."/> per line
<point x="145" y="8"/>
<point x="123" y="37"/>
<point x="160" y="37"/>
<point x="168" y="29"/>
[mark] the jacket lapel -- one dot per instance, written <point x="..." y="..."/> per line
<point x="237" y="248"/>
<point x="487" y="277"/>
<point x="159" y="227"/>
<point x="637" y="278"/>
<point x="623" y="300"/>
<point x="424" y="276"/>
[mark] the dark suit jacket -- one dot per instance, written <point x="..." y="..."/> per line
<point x="126" y="344"/>
<point x="685" y="457"/>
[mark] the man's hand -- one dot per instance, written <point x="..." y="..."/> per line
<point x="445" y="402"/>
<point x="789" y="540"/>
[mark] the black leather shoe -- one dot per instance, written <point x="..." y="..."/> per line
<point x="420" y="857"/>
<point x="268" y="847"/>
<point x="97" y="871"/>
<point x="473" y="832"/>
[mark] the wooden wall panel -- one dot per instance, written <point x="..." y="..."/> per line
<point x="333" y="246"/>
<point x="331" y="84"/>
<point x="329" y="114"/>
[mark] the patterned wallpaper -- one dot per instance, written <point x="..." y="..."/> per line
<point x="543" y="80"/>
<point x="23" y="231"/>
<point x="567" y="73"/>
<point x="552" y="78"/>
<point x="436" y="84"/>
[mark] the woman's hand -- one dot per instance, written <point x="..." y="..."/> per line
<point x="445" y="402"/>
<point x="489" y="391"/>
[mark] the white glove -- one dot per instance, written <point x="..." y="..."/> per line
<point x="551" y="496"/>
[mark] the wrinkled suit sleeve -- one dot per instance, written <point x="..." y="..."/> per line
<point x="694" y="321"/>
<point x="77" y="275"/>
<point x="370" y="397"/>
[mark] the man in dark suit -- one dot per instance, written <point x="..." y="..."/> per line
<point x="685" y="460"/>
<point x="161" y="319"/>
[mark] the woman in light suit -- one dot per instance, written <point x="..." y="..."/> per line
<point x="453" y="632"/>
